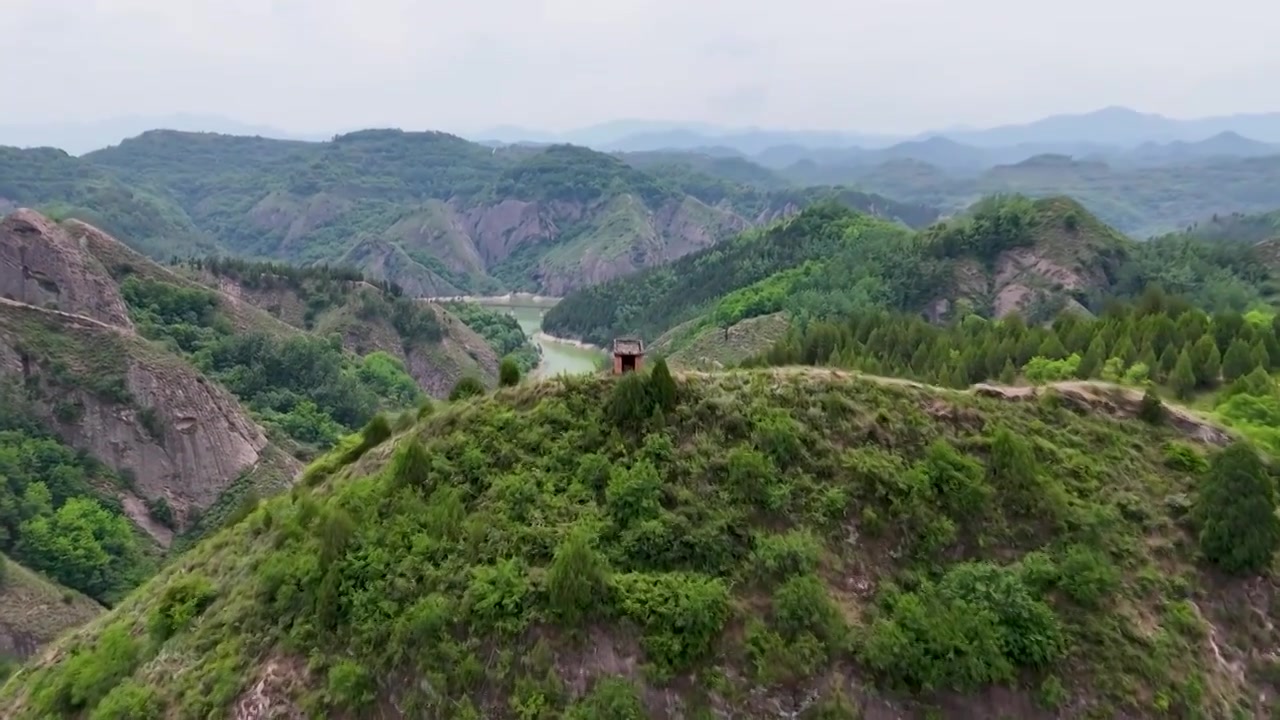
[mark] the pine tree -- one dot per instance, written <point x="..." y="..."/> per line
<point x="1052" y="348"/>
<point x="1236" y="511"/>
<point x="1124" y="350"/>
<point x="1168" y="360"/>
<point x="1091" y="363"/>
<point x="1008" y="374"/>
<point x="1258" y="353"/>
<point x="663" y="386"/>
<point x="1238" y="361"/>
<point x="1183" y="380"/>
<point x="1206" y="360"/>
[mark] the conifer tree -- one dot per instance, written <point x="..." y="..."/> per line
<point x="1008" y="374"/>
<point x="1125" y="350"/>
<point x="1183" y="379"/>
<point x="1236" y="511"/>
<point x="1259" y="355"/>
<point x="1091" y="363"/>
<point x="663" y="386"/>
<point x="1238" y="361"/>
<point x="1168" y="360"/>
<point x="1206" y="360"/>
<point x="1052" y="348"/>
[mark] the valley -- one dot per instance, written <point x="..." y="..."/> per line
<point x="328" y="430"/>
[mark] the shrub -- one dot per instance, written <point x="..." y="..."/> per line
<point x="1151" y="410"/>
<point x="1181" y="456"/>
<point x="577" y="579"/>
<point x="129" y="701"/>
<point x="465" y="388"/>
<point x="801" y="605"/>
<point x="1236" y="512"/>
<point x="508" y="372"/>
<point x="181" y="603"/>
<point x="681" y="613"/>
<point x="612" y="698"/>
<point x="1087" y="576"/>
<point x="782" y="556"/>
<point x="160" y="511"/>
<point x="630" y="402"/>
<point x="350" y="685"/>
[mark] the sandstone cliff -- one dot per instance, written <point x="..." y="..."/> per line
<point x="140" y="411"/>
<point x="65" y="333"/>
<point x="42" y="265"/>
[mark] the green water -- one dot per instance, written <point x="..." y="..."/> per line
<point x="557" y="357"/>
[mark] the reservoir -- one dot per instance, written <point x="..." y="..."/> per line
<point x="557" y="356"/>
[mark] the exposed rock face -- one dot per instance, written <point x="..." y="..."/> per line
<point x="182" y="437"/>
<point x="42" y="265"/>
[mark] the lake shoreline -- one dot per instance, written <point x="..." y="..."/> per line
<point x="510" y="299"/>
<point x="547" y="337"/>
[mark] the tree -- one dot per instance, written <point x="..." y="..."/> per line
<point x="1236" y="512"/>
<point x="1206" y="360"/>
<point x="1091" y="363"/>
<point x="1183" y="380"/>
<point x="1238" y="361"/>
<point x="82" y="546"/>
<point x="508" y="372"/>
<point x="663" y="386"/>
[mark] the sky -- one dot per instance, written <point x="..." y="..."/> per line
<point x="891" y="66"/>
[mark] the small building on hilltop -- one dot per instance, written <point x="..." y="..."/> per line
<point x="628" y="355"/>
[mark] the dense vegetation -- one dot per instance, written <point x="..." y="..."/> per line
<point x="57" y="514"/>
<point x="1224" y="361"/>
<point x="501" y="330"/>
<point x="303" y="386"/>
<point x="830" y="261"/>
<point x="748" y="541"/>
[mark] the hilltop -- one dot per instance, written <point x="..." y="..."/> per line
<point x="550" y="549"/>
<point x="431" y="212"/>
<point x="1003" y="256"/>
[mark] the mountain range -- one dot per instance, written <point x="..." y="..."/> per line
<point x="432" y="212"/>
<point x="1117" y="127"/>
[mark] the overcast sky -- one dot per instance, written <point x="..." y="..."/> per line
<point x="463" y="65"/>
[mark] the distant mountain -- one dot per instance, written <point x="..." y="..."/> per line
<point x="436" y="214"/>
<point x="1123" y="127"/>
<point x="1119" y="128"/>
<point x="78" y="138"/>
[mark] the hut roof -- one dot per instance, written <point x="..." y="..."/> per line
<point x="628" y="346"/>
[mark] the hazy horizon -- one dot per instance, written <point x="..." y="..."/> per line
<point x="896" y="67"/>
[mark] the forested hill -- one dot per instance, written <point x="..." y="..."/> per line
<point x="431" y="212"/>
<point x="744" y="544"/>
<point x="1005" y="255"/>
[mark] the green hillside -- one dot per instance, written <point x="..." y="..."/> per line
<point x="1004" y="255"/>
<point x="431" y="212"/>
<point x="551" y="549"/>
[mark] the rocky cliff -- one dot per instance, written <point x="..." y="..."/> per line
<point x="42" y="265"/>
<point x="65" y="332"/>
<point x="141" y="411"/>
